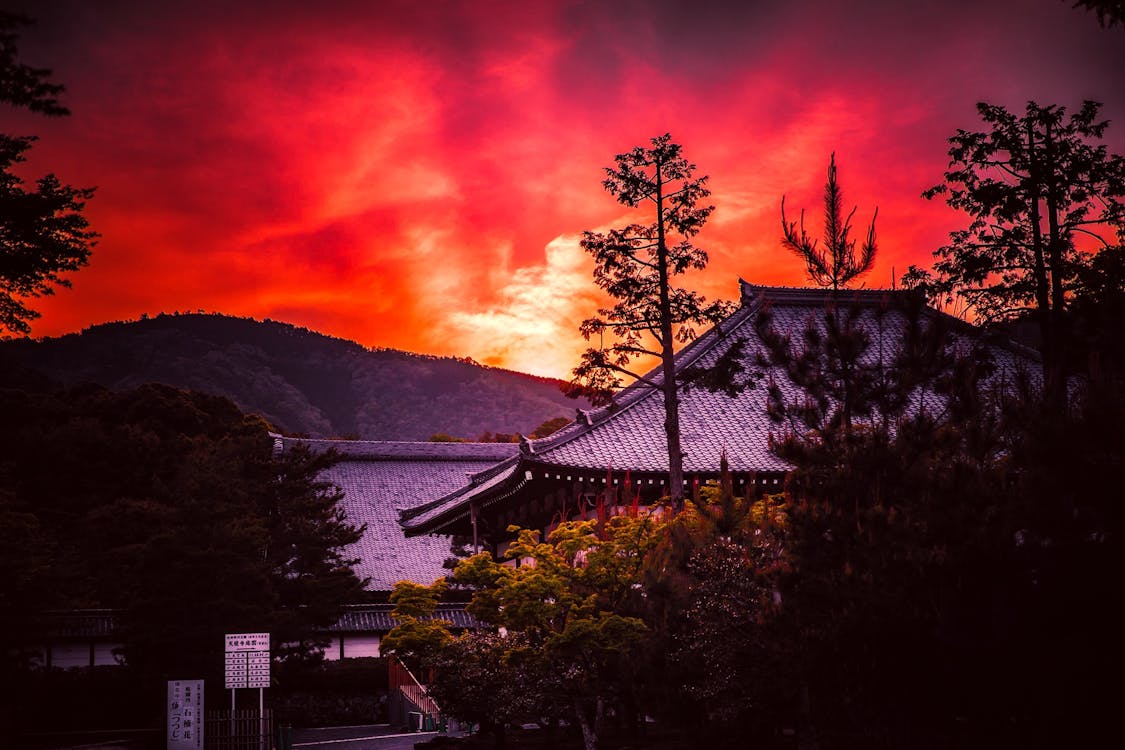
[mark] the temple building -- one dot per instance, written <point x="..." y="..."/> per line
<point x="419" y="501"/>
<point x="611" y="458"/>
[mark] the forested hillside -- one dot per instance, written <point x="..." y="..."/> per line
<point x="299" y="380"/>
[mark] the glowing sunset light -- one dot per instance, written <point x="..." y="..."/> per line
<point x="417" y="175"/>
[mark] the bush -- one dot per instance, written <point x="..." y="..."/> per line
<point x="351" y="691"/>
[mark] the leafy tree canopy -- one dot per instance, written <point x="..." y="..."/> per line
<point x="43" y="233"/>
<point x="22" y="85"/>
<point x="172" y="508"/>
<point x="1043" y="198"/>
<point x="1109" y="12"/>
<point x="550" y="427"/>
<point x="570" y="611"/>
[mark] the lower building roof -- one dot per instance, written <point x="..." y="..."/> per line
<point x="382" y="479"/>
<point x="102" y="624"/>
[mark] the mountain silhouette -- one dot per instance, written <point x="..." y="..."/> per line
<point x="301" y="381"/>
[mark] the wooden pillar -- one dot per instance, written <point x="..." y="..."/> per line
<point x="473" y="512"/>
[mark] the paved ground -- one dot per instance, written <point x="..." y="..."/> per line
<point x="371" y="737"/>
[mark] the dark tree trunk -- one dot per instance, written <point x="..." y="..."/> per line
<point x="1055" y="364"/>
<point x="591" y="726"/>
<point x="668" y="362"/>
<point x="1042" y="294"/>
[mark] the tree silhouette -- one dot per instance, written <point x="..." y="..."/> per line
<point x="172" y="508"/>
<point x="635" y="266"/>
<point x="1109" y="12"/>
<point x="835" y="264"/>
<point x="42" y="232"/>
<point x="1032" y="185"/>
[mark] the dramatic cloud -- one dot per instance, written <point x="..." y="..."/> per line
<point x="415" y="175"/>
<point x="530" y="324"/>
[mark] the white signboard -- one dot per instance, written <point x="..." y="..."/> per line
<point x="258" y="669"/>
<point x="185" y="714"/>
<point x="236" y="670"/>
<point x="247" y="642"/>
<point x="248" y="660"/>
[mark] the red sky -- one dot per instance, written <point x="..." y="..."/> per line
<point x="415" y="174"/>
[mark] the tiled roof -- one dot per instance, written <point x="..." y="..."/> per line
<point x="382" y="450"/>
<point x="630" y="433"/>
<point x="382" y="479"/>
<point x="78" y="623"/>
<point x="365" y="618"/>
<point x="88" y="624"/>
<point x="483" y="482"/>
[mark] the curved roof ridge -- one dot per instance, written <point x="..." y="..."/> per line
<point x="636" y="392"/>
<point x="475" y="480"/>
<point x="818" y="295"/>
<point x="808" y="295"/>
<point x="454" y="504"/>
<point x="486" y="474"/>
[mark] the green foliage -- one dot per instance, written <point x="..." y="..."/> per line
<point x="945" y="581"/>
<point x="942" y="568"/>
<point x="415" y="600"/>
<point x="836" y="264"/>
<point x="841" y="380"/>
<point x="498" y="437"/>
<point x="828" y="365"/>
<point x="43" y="233"/>
<point x="331" y="693"/>
<point x="418" y="635"/>
<point x="442" y="437"/>
<point x="710" y="582"/>
<point x="572" y="607"/>
<point x="550" y="427"/>
<point x="492" y="680"/>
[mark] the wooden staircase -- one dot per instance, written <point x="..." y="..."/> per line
<point x="406" y="696"/>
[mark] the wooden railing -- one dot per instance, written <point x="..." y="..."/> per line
<point x="417" y="695"/>
<point x="401" y="681"/>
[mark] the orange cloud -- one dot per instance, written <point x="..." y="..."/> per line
<point x="414" y="175"/>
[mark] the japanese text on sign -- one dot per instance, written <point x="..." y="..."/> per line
<point x="247" y="660"/>
<point x="185" y="714"/>
<point x="247" y="642"/>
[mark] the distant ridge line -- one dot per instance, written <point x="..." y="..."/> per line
<point x="93" y="328"/>
<point x="299" y="380"/>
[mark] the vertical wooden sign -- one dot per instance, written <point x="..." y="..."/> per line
<point x="185" y="714"/>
